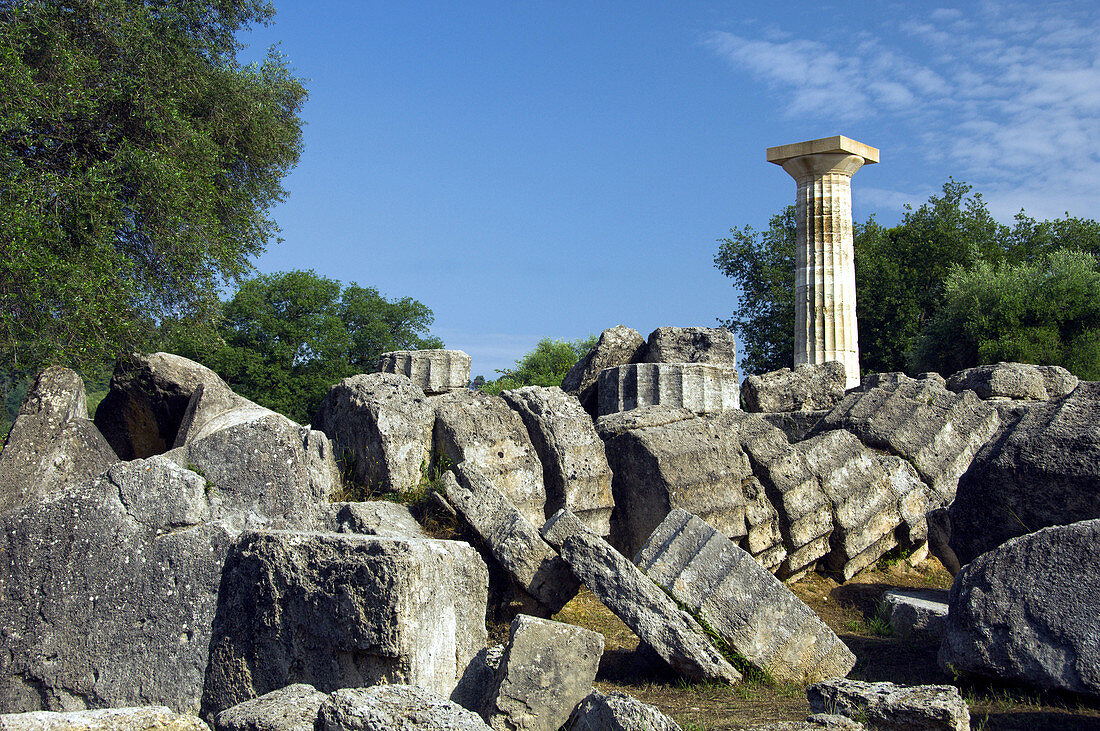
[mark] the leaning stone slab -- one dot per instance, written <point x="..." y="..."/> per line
<point x="382" y="423"/>
<point x="434" y="371"/>
<point x="547" y="669"/>
<point x="293" y="708"/>
<point x="810" y="387"/>
<point x="482" y="430"/>
<point x="759" y="617"/>
<point x="52" y="443"/>
<point x="338" y="610"/>
<point x="936" y="430"/>
<point x="892" y="707"/>
<point x="142" y="718"/>
<point x="919" y="614"/>
<point x="574" y="466"/>
<point x="618" y="711"/>
<point x="704" y="388"/>
<point x="1026" y="611"/>
<point x="512" y="540"/>
<point x="713" y="345"/>
<point x="617" y="346"/>
<point x="394" y="707"/>
<point x="639" y="602"/>
<point x="1015" y="381"/>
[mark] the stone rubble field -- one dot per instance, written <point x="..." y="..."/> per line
<point x="191" y="558"/>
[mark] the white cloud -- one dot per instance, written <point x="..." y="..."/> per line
<point x="1003" y="95"/>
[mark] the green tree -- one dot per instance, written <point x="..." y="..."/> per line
<point x="139" y="160"/>
<point x="546" y="365"/>
<point x="287" y="337"/>
<point x="1046" y="312"/>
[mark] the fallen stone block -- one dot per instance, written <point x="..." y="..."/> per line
<point x="795" y="424"/>
<point x="759" y="617"/>
<point x="807" y="388"/>
<point x="714" y="345"/>
<point x="293" y="708"/>
<point x="372" y="518"/>
<point x="511" y="539"/>
<point x="141" y="718"/>
<point x="52" y="444"/>
<point x="394" y="707"/>
<point x="1026" y="611"/>
<point x="339" y="610"/>
<point x="618" y="711"/>
<point x="892" y="707"/>
<point x="610" y="426"/>
<point x="546" y="670"/>
<point x="434" y="371"/>
<point x="703" y="388"/>
<point x="919" y="614"/>
<point x="935" y="430"/>
<point x="574" y="466"/>
<point x="381" y="424"/>
<point x="482" y="430"/>
<point x="640" y="603"/>
<point x="1015" y="381"/>
<point x="616" y="346"/>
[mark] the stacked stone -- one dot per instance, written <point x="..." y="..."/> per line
<point x="434" y="371"/>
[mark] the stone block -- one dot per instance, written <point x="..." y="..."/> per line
<point x="892" y="707"/>
<point x="616" y="346"/>
<point x="339" y="610"/>
<point x="382" y="424"/>
<point x="919" y="614"/>
<point x="141" y="718"/>
<point x="574" y="466"/>
<point x="759" y="617"/>
<point x="713" y="345"/>
<point x="795" y="424"/>
<point x="638" y="601"/>
<point x="511" y="539"/>
<point x="1021" y="381"/>
<point x="612" y="425"/>
<point x="483" y="431"/>
<point x="434" y="371"/>
<point x="394" y="707"/>
<point x="546" y="670"/>
<point x="373" y="518"/>
<point x="618" y="711"/>
<point x="703" y="388"/>
<point x="293" y="708"/>
<point x="807" y="388"/>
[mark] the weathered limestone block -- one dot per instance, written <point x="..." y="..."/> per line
<point x="546" y="670"/>
<point x="748" y="607"/>
<point x="702" y="387"/>
<point x="1015" y="381"/>
<point x="713" y="345"/>
<point x="373" y="518"/>
<point x="110" y="580"/>
<point x="872" y="495"/>
<point x="764" y="537"/>
<point x="809" y="387"/>
<point x="696" y="464"/>
<point x="293" y="708"/>
<point x="618" y="711"/>
<point x="1042" y="470"/>
<point x="795" y="424"/>
<point x="513" y="541"/>
<point x="339" y="610"/>
<point x="434" y="371"/>
<point x="574" y="466"/>
<point x="52" y="443"/>
<point x="1026" y="611"/>
<point x="919" y="614"/>
<point x="482" y="430"/>
<point x="142" y="718"/>
<point x="892" y="707"/>
<point x="394" y="707"/>
<point x="937" y="431"/>
<point x="635" y="599"/>
<point x="893" y="379"/>
<point x="612" y="425"/>
<point x="382" y="423"/>
<point x="616" y="346"/>
<point x="149" y="398"/>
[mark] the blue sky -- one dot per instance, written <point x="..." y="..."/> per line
<point x="552" y="169"/>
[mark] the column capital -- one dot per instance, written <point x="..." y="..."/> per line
<point x="836" y="145"/>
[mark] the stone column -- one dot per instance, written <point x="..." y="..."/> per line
<point x="825" y="275"/>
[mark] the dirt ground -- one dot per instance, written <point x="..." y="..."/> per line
<point x="854" y="611"/>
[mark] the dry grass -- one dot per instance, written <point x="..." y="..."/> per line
<point x="853" y="611"/>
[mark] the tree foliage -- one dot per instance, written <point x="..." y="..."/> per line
<point x="287" y="337"/>
<point x="546" y="365"/>
<point x="139" y="160"/>
<point x="901" y="273"/>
